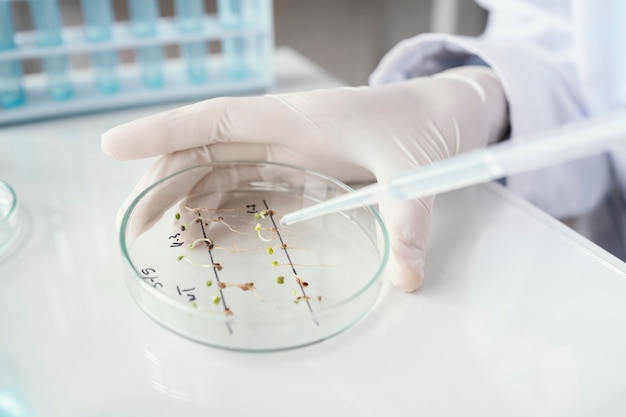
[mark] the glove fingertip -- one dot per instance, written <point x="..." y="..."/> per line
<point x="107" y="144"/>
<point x="115" y="144"/>
<point x="407" y="279"/>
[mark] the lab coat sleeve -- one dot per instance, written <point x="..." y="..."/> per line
<point x="536" y="68"/>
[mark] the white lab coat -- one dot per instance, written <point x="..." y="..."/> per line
<point x="559" y="61"/>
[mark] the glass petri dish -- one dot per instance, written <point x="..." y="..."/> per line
<point x="12" y="225"/>
<point x="208" y="258"/>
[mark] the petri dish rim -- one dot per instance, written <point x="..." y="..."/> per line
<point x="13" y="204"/>
<point x="220" y="317"/>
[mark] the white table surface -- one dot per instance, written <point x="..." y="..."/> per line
<point x="519" y="316"/>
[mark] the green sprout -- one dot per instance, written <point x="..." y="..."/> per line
<point x="262" y="214"/>
<point x="280" y="280"/>
<point x="258" y="230"/>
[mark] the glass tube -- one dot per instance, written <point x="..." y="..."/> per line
<point x="189" y="17"/>
<point x="11" y="90"/>
<point x="98" y="28"/>
<point x="235" y="47"/>
<point x="46" y="18"/>
<point x="145" y="15"/>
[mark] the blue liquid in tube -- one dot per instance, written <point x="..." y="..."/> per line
<point x="46" y="18"/>
<point x="144" y="15"/>
<point x="235" y="48"/>
<point x="189" y="14"/>
<point x="12" y="402"/>
<point x="11" y="90"/>
<point x="98" y="28"/>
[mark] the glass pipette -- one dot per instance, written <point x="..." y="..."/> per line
<point x="525" y="153"/>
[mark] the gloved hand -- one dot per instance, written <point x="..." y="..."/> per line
<point x="344" y="132"/>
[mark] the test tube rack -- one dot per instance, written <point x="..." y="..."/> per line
<point x="243" y="62"/>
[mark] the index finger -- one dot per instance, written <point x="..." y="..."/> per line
<point x="263" y="119"/>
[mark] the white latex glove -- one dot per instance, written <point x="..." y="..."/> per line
<point x="344" y="132"/>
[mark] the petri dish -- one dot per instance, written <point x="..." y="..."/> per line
<point x="208" y="258"/>
<point x="12" y="224"/>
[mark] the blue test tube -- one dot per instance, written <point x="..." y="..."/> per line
<point x="98" y="28"/>
<point x="46" y="18"/>
<point x="145" y="16"/>
<point x="234" y="48"/>
<point x="189" y="15"/>
<point x="260" y="43"/>
<point x="11" y="90"/>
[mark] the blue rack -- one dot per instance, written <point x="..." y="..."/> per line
<point x="224" y="53"/>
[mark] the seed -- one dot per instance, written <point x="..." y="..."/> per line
<point x="247" y="286"/>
